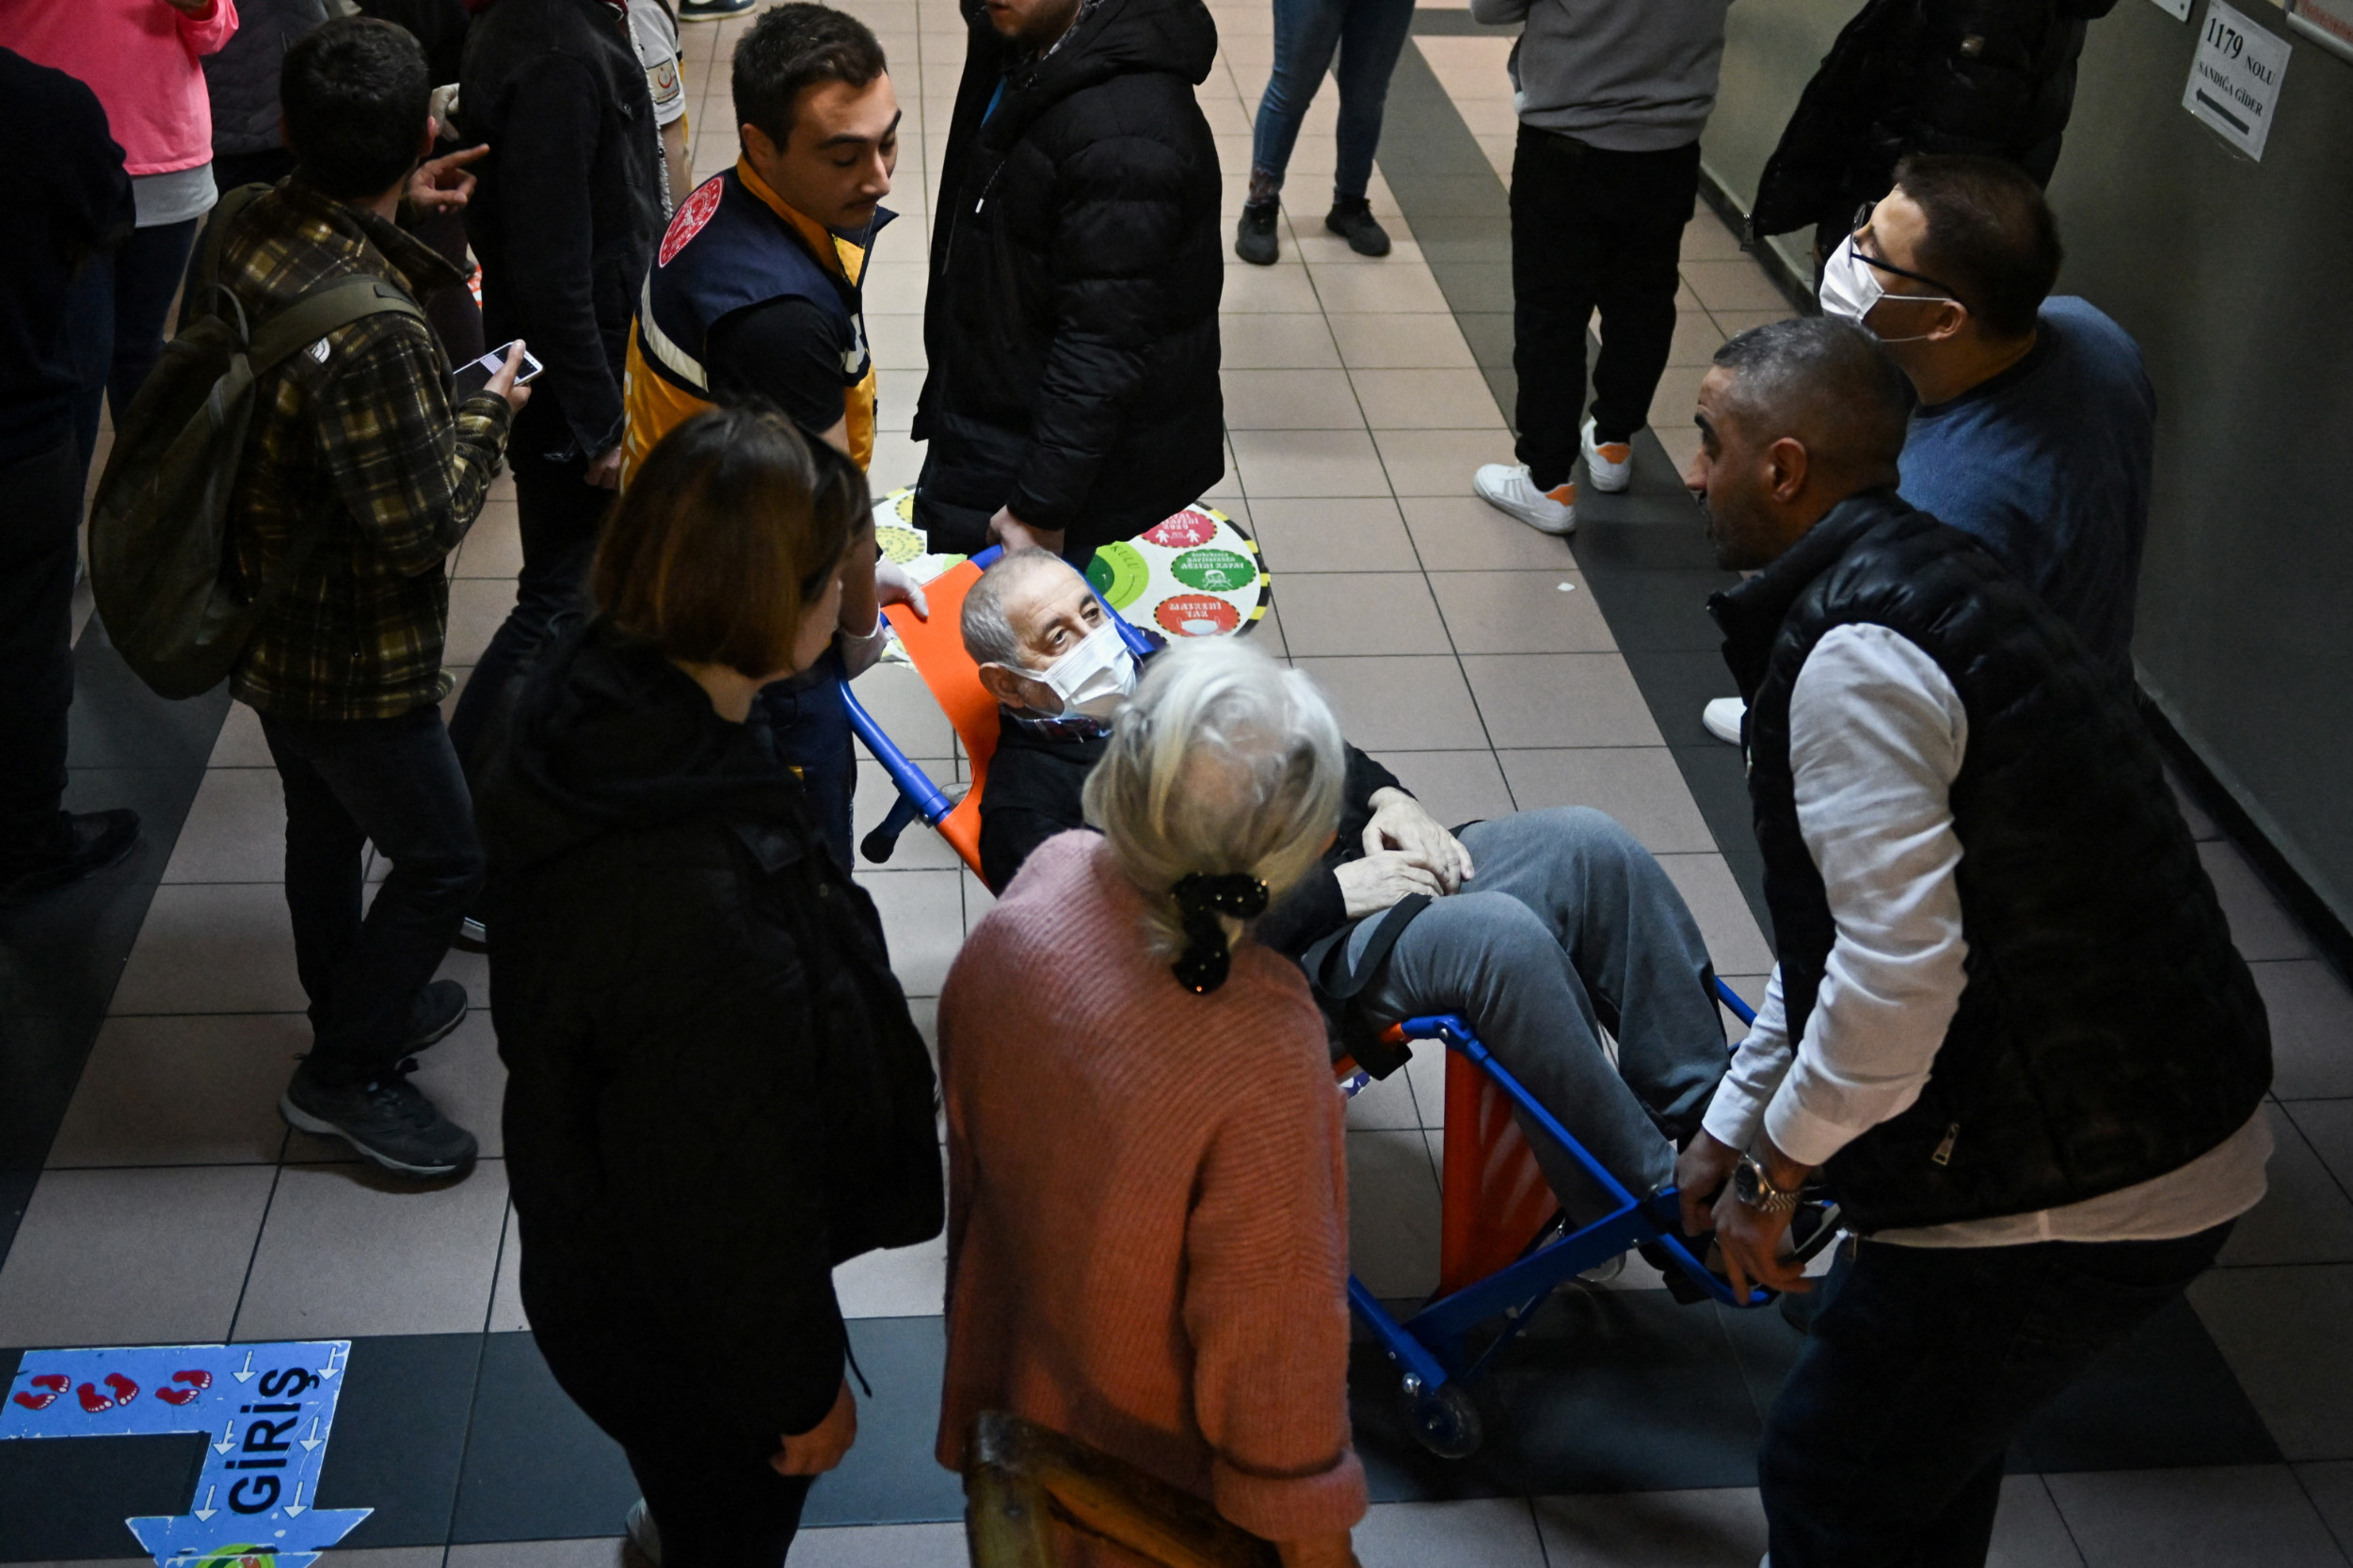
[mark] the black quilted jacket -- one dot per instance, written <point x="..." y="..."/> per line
<point x="1077" y="259"/>
<point x="1996" y="77"/>
<point x="715" y="1090"/>
<point x="2109" y="1031"/>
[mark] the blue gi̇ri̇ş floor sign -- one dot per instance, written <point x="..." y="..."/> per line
<point x="266" y="1411"/>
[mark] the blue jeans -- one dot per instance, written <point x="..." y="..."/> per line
<point x="1886" y="1446"/>
<point x="394" y="783"/>
<point x="1569" y="928"/>
<point x="1367" y="34"/>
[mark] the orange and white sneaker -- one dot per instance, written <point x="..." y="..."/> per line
<point x="1608" y="464"/>
<point x="1506" y="487"/>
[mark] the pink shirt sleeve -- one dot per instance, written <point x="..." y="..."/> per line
<point x="205" y="32"/>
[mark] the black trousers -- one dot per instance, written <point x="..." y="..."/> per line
<point x="395" y="783"/>
<point x="40" y="507"/>
<point x="719" y="1505"/>
<point x="1885" y="1447"/>
<point x="560" y="515"/>
<point x="1591" y="229"/>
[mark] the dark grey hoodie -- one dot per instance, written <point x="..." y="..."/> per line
<point x="1627" y="75"/>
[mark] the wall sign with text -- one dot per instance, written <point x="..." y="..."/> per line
<point x="2234" y="77"/>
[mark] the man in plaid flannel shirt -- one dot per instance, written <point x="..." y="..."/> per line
<point x="345" y="669"/>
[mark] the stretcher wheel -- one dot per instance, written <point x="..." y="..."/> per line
<point x="1444" y="1420"/>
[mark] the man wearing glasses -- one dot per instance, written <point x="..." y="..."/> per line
<point x="2037" y="425"/>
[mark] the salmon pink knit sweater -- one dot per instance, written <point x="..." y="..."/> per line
<point x="1146" y="1202"/>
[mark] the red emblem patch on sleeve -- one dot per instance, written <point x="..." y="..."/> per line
<point x="689" y="219"/>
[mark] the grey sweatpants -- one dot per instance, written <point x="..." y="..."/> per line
<point x="1569" y="928"/>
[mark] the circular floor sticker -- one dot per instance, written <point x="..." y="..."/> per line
<point x="1195" y="575"/>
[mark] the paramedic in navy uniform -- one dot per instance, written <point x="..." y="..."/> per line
<point x="753" y="297"/>
<point x="2006" y="1025"/>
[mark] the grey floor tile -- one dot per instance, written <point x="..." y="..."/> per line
<point x="1639" y="785"/>
<point x="1277" y="342"/>
<point x="2028" y="1532"/>
<point x="1265" y="291"/>
<point x="1560" y="699"/>
<point x="1387" y="1103"/>
<point x="1521" y="612"/>
<point x="1455" y="786"/>
<point x="240" y="744"/>
<point x="2259" y="927"/>
<point x="462" y="1075"/>
<point x="587" y="1552"/>
<point x="507" y="1293"/>
<point x="1715" y="1528"/>
<point x="192" y="1090"/>
<point x="2237" y="1517"/>
<point x="2331" y="1487"/>
<point x="2311" y="1027"/>
<point x="1426" y="400"/>
<point x="1738" y="285"/>
<point x="1308" y="463"/>
<point x="2287" y="1333"/>
<point x="1462" y="532"/>
<point x="1290" y="400"/>
<point x="1722" y="910"/>
<point x="2202" y="822"/>
<point x="1392" y="1212"/>
<point x="881" y="1547"/>
<point x="894" y="1282"/>
<point x="1352" y="290"/>
<point x="213" y="948"/>
<point x="1400" y="703"/>
<point x="235" y="831"/>
<point x="900" y="703"/>
<point x="351" y="1250"/>
<point x="494" y="544"/>
<point x="922" y="916"/>
<point x="1439" y="462"/>
<point x="2305" y="1217"/>
<point x="1477" y="1532"/>
<point x="1344" y="533"/>
<point x="478" y="607"/>
<point x="1359" y="613"/>
<point x="1385" y="340"/>
<point x="150" y="1256"/>
<point x="2328" y="1125"/>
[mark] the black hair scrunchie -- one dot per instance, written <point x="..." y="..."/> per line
<point x="1201" y="898"/>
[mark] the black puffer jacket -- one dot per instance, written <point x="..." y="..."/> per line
<point x="241" y="77"/>
<point x="570" y="204"/>
<point x="715" y="1093"/>
<point x="1996" y="77"/>
<point x="1071" y="326"/>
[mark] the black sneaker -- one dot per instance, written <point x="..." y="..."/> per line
<point x="82" y="846"/>
<point x="472" y="935"/>
<point x="387" y="1119"/>
<point x="1352" y="220"/>
<point x="1254" y="237"/>
<point x="440" y="1008"/>
<point x="713" y="10"/>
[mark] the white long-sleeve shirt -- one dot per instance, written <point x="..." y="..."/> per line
<point x="1877" y="735"/>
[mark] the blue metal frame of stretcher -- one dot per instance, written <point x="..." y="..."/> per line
<point x="1430" y="1344"/>
<point x="918" y="796"/>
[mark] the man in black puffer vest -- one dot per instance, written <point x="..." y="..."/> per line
<point x="1071" y="328"/>
<point x="2007" y="1028"/>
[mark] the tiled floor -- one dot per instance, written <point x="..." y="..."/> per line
<point x="1494" y="669"/>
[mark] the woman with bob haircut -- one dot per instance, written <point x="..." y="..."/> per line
<point x="1147" y="1190"/>
<point x="714" y="1092"/>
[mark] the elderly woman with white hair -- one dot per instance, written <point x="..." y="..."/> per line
<point x="1147" y="1210"/>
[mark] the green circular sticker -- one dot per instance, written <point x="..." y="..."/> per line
<point x="1214" y="570"/>
<point x="1120" y="573"/>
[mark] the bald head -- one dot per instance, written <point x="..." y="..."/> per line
<point x="1794" y="417"/>
<point x="1825" y="382"/>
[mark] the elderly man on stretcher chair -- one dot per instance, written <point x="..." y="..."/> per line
<point x="1541" y="929"/>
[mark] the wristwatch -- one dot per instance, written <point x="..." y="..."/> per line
<point x="1755" y="1189"/>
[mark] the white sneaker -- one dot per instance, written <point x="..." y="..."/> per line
<point x="1723" y="718"/>
<point x="1610" y="465"/>
<point x="1506" y="487"/>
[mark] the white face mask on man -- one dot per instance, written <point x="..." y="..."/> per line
<point x="1093" y="677"/>
<point x="1852" y="286"/>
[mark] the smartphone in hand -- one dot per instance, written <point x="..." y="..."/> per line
<point x="475" y="374"/>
